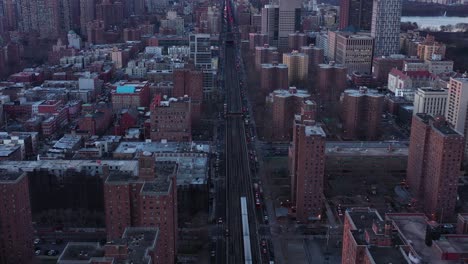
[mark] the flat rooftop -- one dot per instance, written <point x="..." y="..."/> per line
<point x="331" y="65"/>
<point x="168" y="101"/>
<point x="80" y="252"/>
<point x="433" y="90"/>
<point x="121" y="177"/>
<point x="125" y="89"/>
<point x="62" y="165"/>
<point x="7" y="150"/>
<point x="274" y="65"/>
<point x="363" y="217"/>
<point x="10" y="176"/>
<point x="68" y="142"/>
<point x="462" y="80"/>
<point x="360" y="93"/>
<point x="160" y="185"/>
<point x="161" y="147"/>
<point x="314" y="130"/>
<point x="412" y="227"/>
<point x="453" y="244"/>
<point x="387" y="255"/>
<point x="156" y="187"/>
<point x="139" y="240"/>
<point x="442" y="127"/>
<point x="192" y="168"/>
<point x="165" y="168"/>
<point x="352" y="35"/>
<point x="291" y="92"/>
<point x="271" y="48"/>
<point x="366" y="144"/>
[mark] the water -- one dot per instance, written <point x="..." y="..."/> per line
<point x="434" y="22"/>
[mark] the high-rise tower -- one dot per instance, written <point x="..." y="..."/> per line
<point x="386" y="16"/>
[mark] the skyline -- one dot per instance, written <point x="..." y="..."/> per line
<point x="143" y="131"/>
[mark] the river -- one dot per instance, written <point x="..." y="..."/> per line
<point x="434" y="22"/>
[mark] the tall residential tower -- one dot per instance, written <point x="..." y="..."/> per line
<point x="386" y="16"/>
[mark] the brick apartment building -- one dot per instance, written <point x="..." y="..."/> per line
<point x="15" y="217"/>
<point x="171" y="119"/>
<point x="316" y="57"/>
<point x="331" y="82"/>
<point x="137" y="245"/>
<point x="190" y="82"/>
<point x="273" y="77"/>
<point x="434" y="163"/>
<point x="282" y="106"/>
<point x="401" y="238"/>
<point x="361" y="114"/>
<point x="130" y="95"/>
<point x="146" y="200"/>
<point x="265" y="54"/>
<point x="257" y="40"/>
<point x="357" y="221"/>
<point x="296" y="41"/>
<point x="127" y="118"/>
<point x="96" y="118"/>
<point x="55" y="114"/>
<point x="307" y="168"/>
<point x="382" y="66"/>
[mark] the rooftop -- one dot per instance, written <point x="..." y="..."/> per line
<point x="387" y="255"/>
<point x="314" y="130"/>
<point x="363" y="92"/>
<point x="411" y="74"/>
<point x="80" y="252"/>
<point x="130" y="87"/>
<point x="292" y="91"/>
<point x="168" y="101"/>
<point x="432" y="90"/>
<point x="68" y="142"/>
<point x="121" y="177"/>
<point x="266" y="47"/>
<point x="437" y="123"/>
<point x="156" y="187"/>
<point x="453" y="244"/>
<point x="353" y="35"/>
<point x="165" y="168"/>
<point x="274" y="65"/>
<point x="462" y="80"/>
<point x="294" y="53"/>
<point x="363" y="218"/>
<point x="10" y="176"/>
<point x="125" y="89"/>
<point x="378" y="148"/>
<point x="161" y="183"/>
<point x="139" y="240"/>
<point x="412" y="228"/>
<point x="161" y="147"/>
<point x="92" y="166"/>
<point x="331" y="65"/>
<point x="192" y="167"/>
<point x="7" y="150"/>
